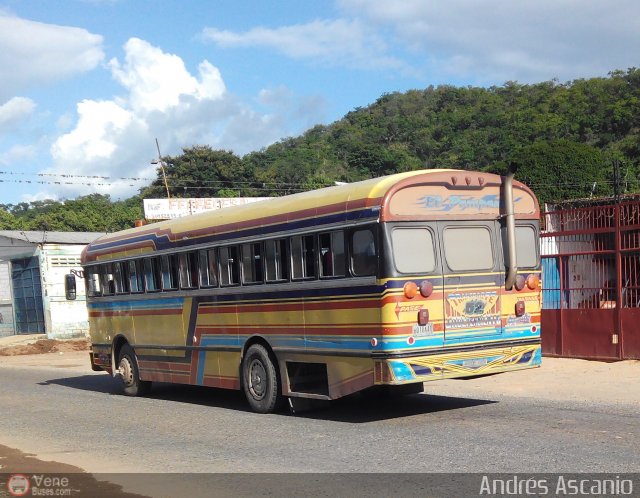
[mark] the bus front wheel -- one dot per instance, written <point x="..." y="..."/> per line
<point x="130" y="374"/>
<point x="260" y="380"/>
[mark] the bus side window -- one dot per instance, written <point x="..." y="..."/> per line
<point x="120" y="279"/>
<point x="152" y="274"/>
<point x="169" y="272"/>
<point x="208" y="264"/>
<point x="364" y="259"/>
<point x="106" y="280"/>
<point x="332" y="261"/>
<point x="229" y="266"/>
<point x="188" y="263"/>
<point x="303" y="256"/>
<point x="252" y="263"/>
<point x="93" y="282"/>
<point x="275" y="260"/>
<point x="136" y="283"/>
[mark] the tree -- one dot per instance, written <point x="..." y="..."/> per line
<point x="563" y="169"/>
<point x="200" y="171"/>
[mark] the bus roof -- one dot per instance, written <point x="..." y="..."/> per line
<point x="414" y="195"/>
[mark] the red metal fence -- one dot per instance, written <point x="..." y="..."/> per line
<point x="591" y="282"/>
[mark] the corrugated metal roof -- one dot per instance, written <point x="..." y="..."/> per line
<point x="39" y="237"/>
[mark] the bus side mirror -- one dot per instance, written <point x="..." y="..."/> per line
<point x="70" y="286"/>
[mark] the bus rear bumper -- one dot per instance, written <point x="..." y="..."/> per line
<point x="406" y="370"/>
<point x="100" y="361"/>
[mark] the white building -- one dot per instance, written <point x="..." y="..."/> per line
<point x="32" y="270"/>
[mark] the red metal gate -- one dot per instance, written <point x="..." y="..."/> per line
<point x="591" y="282"/>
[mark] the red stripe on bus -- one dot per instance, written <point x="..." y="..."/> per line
<point x="301" y="306"/>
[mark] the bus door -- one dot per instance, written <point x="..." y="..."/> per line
<point x="415" y="253"/>
<point x="472" y="281"/>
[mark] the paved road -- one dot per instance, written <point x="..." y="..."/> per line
<point x="72" y="415"/>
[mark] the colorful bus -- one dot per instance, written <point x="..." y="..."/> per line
<point x="392" y="281"/>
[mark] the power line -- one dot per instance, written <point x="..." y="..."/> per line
<point x="256" y="183"/>
<point x="277" y="187"/>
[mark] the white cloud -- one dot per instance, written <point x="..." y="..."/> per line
<point x="14" y="112"/>
<point x="156" y="80"/>
<point x="34" y="54"/>
<point x="95" y="137"/>
<point x="38" y="196"/>
<point x="337" y="42"/>
<point x="494" y="40"/>
<point x="17" y="153"/>
<point x="162" y="99"/>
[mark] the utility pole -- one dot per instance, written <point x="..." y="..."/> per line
<point x="616" y="180"/>
<point x="161" y="163"/>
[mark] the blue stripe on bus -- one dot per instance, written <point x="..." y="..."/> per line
<point x="163" y="303"/>
<point x="163" y="242"/>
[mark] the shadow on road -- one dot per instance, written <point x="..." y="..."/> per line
<point x="95" y="383"/>
<point x="356" y="408"/>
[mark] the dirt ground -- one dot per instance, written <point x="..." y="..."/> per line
<point x="80" y="483"/>
<point x="45" y="346"/>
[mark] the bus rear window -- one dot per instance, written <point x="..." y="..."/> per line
<point x="413" y="250"/>
<point x="526" y="247"/>
<point x="468" y="248"/>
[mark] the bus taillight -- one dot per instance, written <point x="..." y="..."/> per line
<point x="533" y="282"/>
<point x="426" y="288"/>
<point x="519" y="283"/>
<point x="410" y="290"/>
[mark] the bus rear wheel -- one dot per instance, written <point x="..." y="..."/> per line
<point x="130" y="374"/>
<point x="260" y="380"/>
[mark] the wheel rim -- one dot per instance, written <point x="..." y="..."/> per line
<point x="257" y="379"/>
<point x="126" y="370"/>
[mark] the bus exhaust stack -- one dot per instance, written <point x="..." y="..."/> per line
<point x="510" y="223"/>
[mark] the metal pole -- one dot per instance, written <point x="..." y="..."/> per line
<point x="619" y="283"/>
<point x="161" y="163"/>
<point x="560" y="339"/>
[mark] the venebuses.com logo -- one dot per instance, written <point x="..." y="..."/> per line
<point x="18" y="485"/>
<point x="38" y="485"/>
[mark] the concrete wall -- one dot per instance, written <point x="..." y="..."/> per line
<point x="63" y="319"/>
<point x="6" y="302"/>
<point x="10" y="249"/>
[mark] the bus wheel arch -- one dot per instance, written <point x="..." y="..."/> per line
<point x="118" y="342"/>
<point x="127" y="369"/>
<point x="260" y="377"/>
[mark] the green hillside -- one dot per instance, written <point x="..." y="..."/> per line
<point x="564" y="138"/>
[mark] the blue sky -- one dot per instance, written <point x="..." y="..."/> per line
<point x="86" y="86"/>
